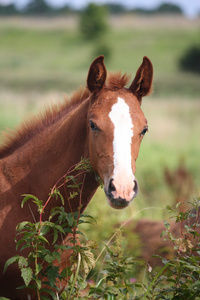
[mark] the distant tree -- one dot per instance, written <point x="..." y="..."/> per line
<point x="164" y="8"/>
<point x="115" y="8"/>
<point x="102" y="48"/>
<point x="63" y="10"/>
<point x="37" y="7"/>
<point x="169" y="9"/>
<point x="190" y="61"/>
<point x="93" y="22"/>
<point x="8" y="10"/>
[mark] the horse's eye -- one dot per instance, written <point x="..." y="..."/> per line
<point x="93" y="126"/>
<point x="144" y="131"/>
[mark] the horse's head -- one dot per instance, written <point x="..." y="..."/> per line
<point x="116" y="128"/>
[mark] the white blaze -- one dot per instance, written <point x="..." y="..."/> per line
<point x="123" y="133"/>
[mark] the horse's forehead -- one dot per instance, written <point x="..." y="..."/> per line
<point x="106" y="102"/>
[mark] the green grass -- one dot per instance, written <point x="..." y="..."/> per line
<point x="58" y="59"/>
<point x="41" y="64"/>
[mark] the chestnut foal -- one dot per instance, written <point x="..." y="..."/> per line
<point x="103" y="123"/>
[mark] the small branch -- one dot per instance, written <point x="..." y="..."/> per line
<point x="70" y="170"/>
<point x="76" y="274"/>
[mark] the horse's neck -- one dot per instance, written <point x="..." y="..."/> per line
<point x="38" y="165"/>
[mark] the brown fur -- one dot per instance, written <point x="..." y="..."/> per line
<point x="151" y="243"/>
<point x="36" y="124"/>
<point x="43" y="149"/>
<point x="117" y="81"/>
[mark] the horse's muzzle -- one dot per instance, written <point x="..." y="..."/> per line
<point x="119" y="202"/>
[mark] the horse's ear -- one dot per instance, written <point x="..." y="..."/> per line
<point x="96" y="75"/>
<point x="141" y="85"/>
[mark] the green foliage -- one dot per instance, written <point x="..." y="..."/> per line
<point x="165" y="8"/>
<point x="37" y="7"/>
<point x="36" y="238"/>
<point x="116" y="274"/>
<point x="168" y="8"/>
<point x="102" y="48"/>
<point x="40" y="238"/>
<point x="8" y="10"/>
<point x="115" y="8"/>
<point x="190" y="60"/>
<point x="93" y="23"/>
<point x="180" y="277"/>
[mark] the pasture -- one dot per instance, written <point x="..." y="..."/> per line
<point x="41" y="60"/>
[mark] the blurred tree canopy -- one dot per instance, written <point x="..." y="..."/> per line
<point x="115" y="8"/>
<point x="93" y="21"/>
<point x="190" y="61"/>
<point x="8" y="10"/>
<point x="164" y="8"/>
<point x="36" y="7"/>
<point x="169" y="8"/>
<point x="41" y="7"/>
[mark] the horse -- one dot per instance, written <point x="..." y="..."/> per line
<point x="104" y="123"/>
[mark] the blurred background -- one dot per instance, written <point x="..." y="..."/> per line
<point x="46" y="48"/>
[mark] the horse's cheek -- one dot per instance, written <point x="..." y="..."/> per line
<point x="93" y="155"/>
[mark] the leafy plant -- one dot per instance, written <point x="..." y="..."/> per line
<point x="180" y="277"/>
<point x="40" y="238"/>
<point x="113" y="278"/>
<point x="116" y="280"/>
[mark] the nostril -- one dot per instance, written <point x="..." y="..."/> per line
<point x="111" y="186"/>
<point x="136" y="188"/>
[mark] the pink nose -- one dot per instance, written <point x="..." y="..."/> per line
<point x="120" y="196"/>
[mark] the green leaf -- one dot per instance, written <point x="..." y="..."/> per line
<point x="59" y="228"/>
<point x="22" y="262"/>
<point x="167" y="225"/>
<point x="57" y="193"/>
<point x="19" y="243"/>
<point x="49" y="258"/>
<point x="169" y="208"/>
<point x="38" y="269"/>
<point x="163" y="233"/>
<point x="27" y="197"/>
<point x="42" y="238"/>
<point x="10" y="261"/>
<point x="57" y="255"/>
<point x="55" y="236"/>
<point x="52" y="273"/>
<point x="44" y="229"/>
<point x="178" y="204"/>
<point x="21" y="225"/>
<point x="27" y="274"/>
<point x="109" y="250"/>
<point x="39" y="283"/>
<point x="70" y="220"/>
<point x="24" y="247"/>
<point x="51" y="293"/>
<point x="66" y="272"/>
<point x="88" y="216"/>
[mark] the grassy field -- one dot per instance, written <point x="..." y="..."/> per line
<point x="43" y="59"/>
<point x="35" y="57"/>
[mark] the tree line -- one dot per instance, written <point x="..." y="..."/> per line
<point x="41" y="7"/>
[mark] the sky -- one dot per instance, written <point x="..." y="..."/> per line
<point x="191" y="8"/>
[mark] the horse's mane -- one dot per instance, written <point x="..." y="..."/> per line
<point x="36" y="124"/>
<point x="116" y="81"/>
